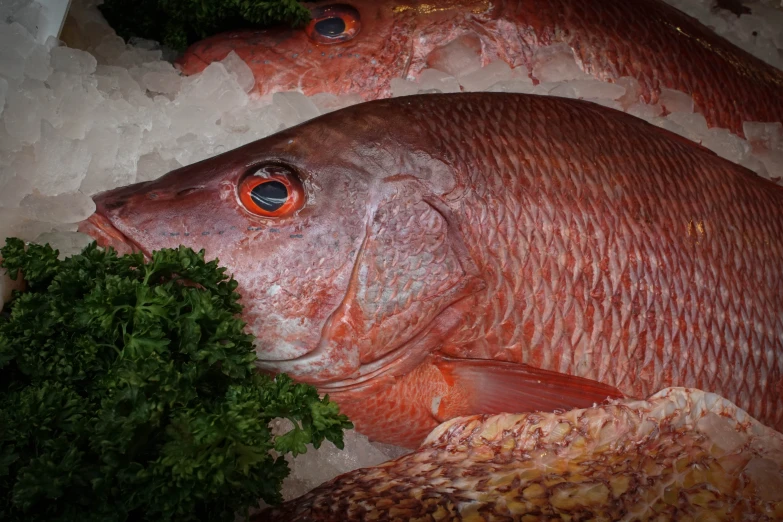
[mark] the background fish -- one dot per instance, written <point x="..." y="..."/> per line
<point x="433" y="256"/>
<point x="360" y="46"/>
<point x="682" y="455"/>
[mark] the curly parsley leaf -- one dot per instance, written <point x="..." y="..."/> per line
<point x="128" y="392"/>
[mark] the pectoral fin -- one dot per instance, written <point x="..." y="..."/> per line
<point x="491" y="387"/>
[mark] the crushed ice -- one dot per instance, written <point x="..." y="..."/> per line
<point x="101" y="113"/>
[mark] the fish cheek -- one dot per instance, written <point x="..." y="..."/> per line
<point x="412" y="267"/>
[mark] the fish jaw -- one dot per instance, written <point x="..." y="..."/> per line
<point x="106" y="235"/>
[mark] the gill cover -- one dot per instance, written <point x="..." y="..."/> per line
<point x="413" y="265"/>
<point x="412" y="268"/>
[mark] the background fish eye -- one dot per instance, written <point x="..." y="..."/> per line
<point x="334" y="23"/>
<point x="271" y="191"/>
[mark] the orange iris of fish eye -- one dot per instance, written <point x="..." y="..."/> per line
<point x="275" y="194"/>
<point x="333" y="24"/>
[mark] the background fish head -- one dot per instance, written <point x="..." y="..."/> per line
<point x="357" y="274"/>
<point x="345" y="46"/>
<point x="354" y="47"/>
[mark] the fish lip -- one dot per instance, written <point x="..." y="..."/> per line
<point x="100" y="228"/>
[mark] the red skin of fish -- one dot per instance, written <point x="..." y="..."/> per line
<point x="645" y="39"/>
<point x="488" y="252"/>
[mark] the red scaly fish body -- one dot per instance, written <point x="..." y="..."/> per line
<point x="645" y="39"/>
<point x="489" y="252"/>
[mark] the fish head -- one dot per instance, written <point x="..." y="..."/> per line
<point x="346" y="46"/>
<point x="346" y="259"/>
<point x="353" y="47"/>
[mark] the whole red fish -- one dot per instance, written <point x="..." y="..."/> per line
<point x="359" y="46"/>
<point x="431" y="256"/>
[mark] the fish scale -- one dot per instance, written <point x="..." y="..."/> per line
<point x="541" y="349"/>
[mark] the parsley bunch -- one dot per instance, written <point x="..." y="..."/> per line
<point x="179" y="23"/>
<point x="127" y="392"/>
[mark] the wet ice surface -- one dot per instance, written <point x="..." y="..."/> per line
<point x="100" y="114"/>
<point x="760" y="32"/>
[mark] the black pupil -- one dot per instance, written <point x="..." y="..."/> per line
<point x="270" y="196"/>
<point x="330" y="26"/>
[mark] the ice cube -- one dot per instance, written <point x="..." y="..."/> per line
<point x="16" y="44"/>
<point x="612" y="104"/>
<point x="162" y="82"/>
<point x="8" y="143"/>
<point x="694" y="124"/>
<point x="669" y="125"/>
<point x="113" y="78"/>
<point x="132" y="57"/>
<point x="391" y="452"/>
<point x="3" y="92"/>
<point x="439" y="80"/>
<point x="726" y="145"/>
<point x="37" y="65"/>
<point x="17" y="178"/>
<point x="294" y="107"/>
<point x="73" y="61"/>
<point x="769" y="135"/>
<point x="66" y="243"/>
<point x="315" y="467"/>
<point x="103" y="144"/>
<point x="143" y="43"/>
<point x="110" y="49"/>
<point x="773" y="162"/>
<point x="14" y="223"/>
<point x="76" y="101"/>
<point x="63" y="208"/>
<point x="25" y="108"/>
<point x="29" y="16"/>
<point x="675" y="101"/>
<point x="151" y="166"/>
<point x="633" y="91"/>
<point x="588" y="89"/>
<point x="494" y="72"/>
<point x="61" y="163"/>
<point x="328" y="102"/>
<point x="400" y="87"/>
<point x="235" y="121"/>
<point x="459" y="57"/>
<point x="213" y="88"/>
<point x="756" y="165"/>
<point x="645" y="111"/>
<point x="192" y="118"/>
<point x="518" y="86"/>
<point x="240" y="71"/>
<point x="564" y="90"/>
<point x="124" y="172"/>
<point x="556" y="63"/>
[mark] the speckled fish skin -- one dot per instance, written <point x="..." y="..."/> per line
<point x="482" y="253"/>
<point x="645" y="39"/>
<point x="683" y="455"/>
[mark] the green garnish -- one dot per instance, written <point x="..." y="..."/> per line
<point x="128" y="392"/>
<point x="179" y="23"/>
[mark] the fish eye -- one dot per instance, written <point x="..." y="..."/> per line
<point x="333" y="24"/>
<point x="272" y="191"/>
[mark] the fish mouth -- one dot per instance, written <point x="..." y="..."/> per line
<point x="103" y="231"/>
